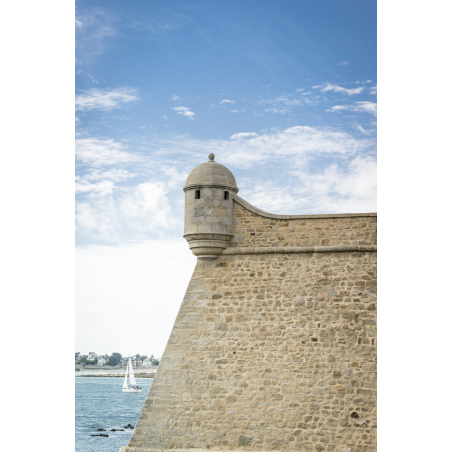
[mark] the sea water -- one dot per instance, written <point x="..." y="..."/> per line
<point x="100" y="403"/>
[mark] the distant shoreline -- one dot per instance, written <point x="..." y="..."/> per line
<point x="137" y="375"/>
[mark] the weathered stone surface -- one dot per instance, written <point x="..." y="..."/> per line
<point x="273" y="351"/>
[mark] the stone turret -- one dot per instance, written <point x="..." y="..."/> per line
<point x="208" y="209"/>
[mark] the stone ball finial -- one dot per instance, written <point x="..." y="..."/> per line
<point x="211" y="157"/>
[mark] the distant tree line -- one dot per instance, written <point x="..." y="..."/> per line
<point x="114" y="359"/>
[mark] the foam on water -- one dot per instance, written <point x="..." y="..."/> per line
<point x="100" y="403"/>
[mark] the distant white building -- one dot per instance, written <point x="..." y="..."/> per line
<point x="148" y="362"/>
<point x="92" y="356"/>
<point x="102" y="360"/>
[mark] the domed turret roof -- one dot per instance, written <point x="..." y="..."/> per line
<point x="211" y="174"/>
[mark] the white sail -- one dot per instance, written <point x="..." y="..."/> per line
<point x="125" y="385"/>
<point x="132" y="377"/>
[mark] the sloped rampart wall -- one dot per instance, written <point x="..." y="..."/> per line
<point x="272" y="351"/>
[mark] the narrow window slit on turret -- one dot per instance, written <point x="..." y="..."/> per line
<point x="226" y="195"/>
<point x="198" y="194"/>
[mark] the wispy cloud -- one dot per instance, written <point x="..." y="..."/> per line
<point x="175" y="98"/>
<point x="98" y="152"/>
<point x="94" y="30"/>
<point x="184" y="111"/>
<point x="238" y="136"/>
<point x="297" y="144"/>
<point x="226" y="101"/>
<point x="286" y="100"/>
<point x="98" y="99"/>
<point x="236" y="111"/>
<point x="344" y="63"/>
<point x="277" y="110"/>
<point x="373" y="90"/>
<point x="339" y="89"/>
<point x="364" y="131"/>
<point x="114" y="174"/>
<point x="103" y="188"/>
<point x="360" y="107"/>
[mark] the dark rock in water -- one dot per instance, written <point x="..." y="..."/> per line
<point x="101" y="430"/>
<point x="117" y="430"/>
<point x="129" y="426"/>
<point x="101" y="434"/>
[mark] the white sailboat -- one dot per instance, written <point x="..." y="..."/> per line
<point x="132" y="387"/>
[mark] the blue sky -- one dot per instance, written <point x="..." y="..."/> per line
<point x="284" y="93"/>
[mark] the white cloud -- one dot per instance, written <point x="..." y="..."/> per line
<point x="353" y="189"/>
<point x="175" y="98"/>
<point x="184" y="111"/>
<point x="364" y="131"/>
<point x="339" y="89"/>
<point x="299" y="90"/>
<point x="114" y="175"/>
<point x="98" y="99"/>
<point x="347" y="189"/>
<point x="360" y="107"/>
<point x="164" y="117"/>
<point x="238" y="136"/>
<point x="111" y="214"/>
<point x="271" y="146"/>
<point x="237" y="111"/>
<point x="78" y="24"/>
<point x="102" y="188"/>
<point x="146" y="205"/>
<point x="97" y="152"/>
<point x="344" y="63"/>
<point x="293" y="144"/>
<point x="373" y="90"/>
<point x="226" y="101"/>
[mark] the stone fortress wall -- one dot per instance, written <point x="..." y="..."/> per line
<point x="274" y="346"/>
